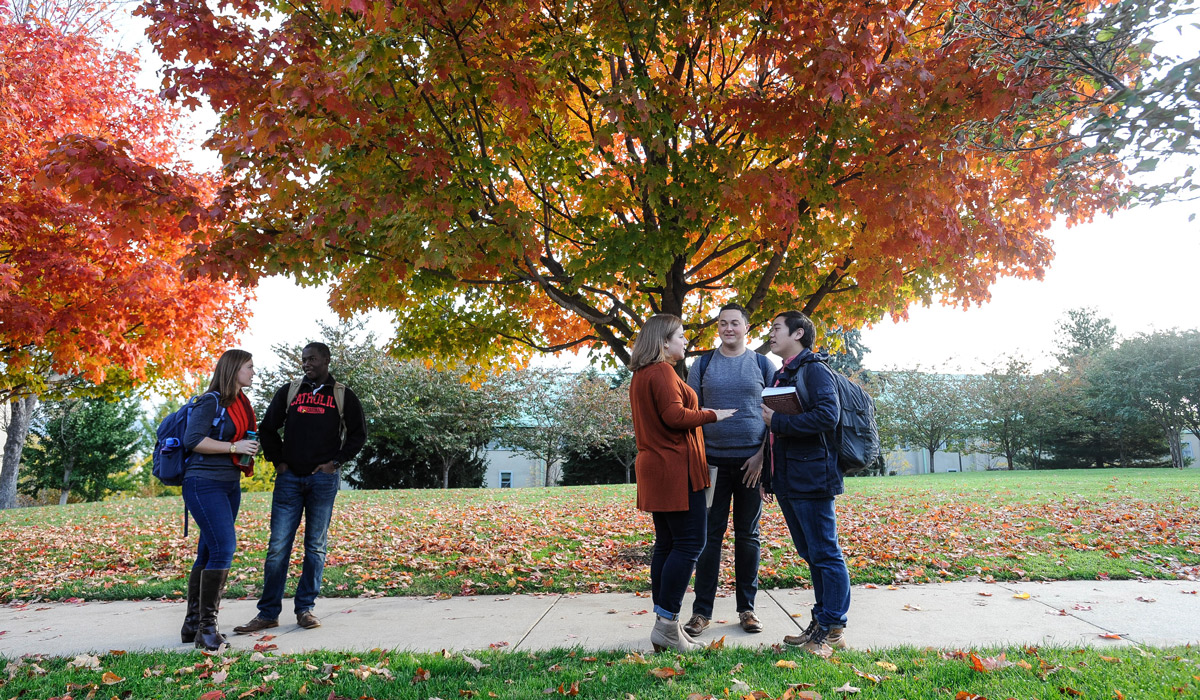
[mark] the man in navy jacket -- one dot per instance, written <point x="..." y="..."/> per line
<point x="805" y="476"/>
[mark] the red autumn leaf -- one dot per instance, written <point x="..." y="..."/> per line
<point x="421" y="675"/>
<point x="213" y="695"/>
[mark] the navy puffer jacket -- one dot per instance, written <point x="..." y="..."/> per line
<point x="804" y="448"/>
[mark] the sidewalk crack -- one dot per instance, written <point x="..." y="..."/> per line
<point x="537" y="622"/>
<point x="771" y="594"/>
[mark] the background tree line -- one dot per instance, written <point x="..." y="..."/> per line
<point x="1106" y="403"/>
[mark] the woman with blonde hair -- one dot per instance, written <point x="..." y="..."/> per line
<point x="217" y="437"/>
<point x="672" y="471"/>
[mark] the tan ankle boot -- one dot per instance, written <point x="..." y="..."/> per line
<point x="669" y="634"/>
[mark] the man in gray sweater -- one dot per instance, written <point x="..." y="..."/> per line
<point x="732" y="376"/>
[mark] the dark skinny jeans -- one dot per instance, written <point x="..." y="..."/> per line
<point x="678" y="541"/>
<point x="214" y="505"/>
<point x="747" y="511"/>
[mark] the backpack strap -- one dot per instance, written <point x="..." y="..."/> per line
<point x="293" y="390"/>
<point x="704" y="360"/>
<point x="339" y="398"/>
<point x="765" y="365"/>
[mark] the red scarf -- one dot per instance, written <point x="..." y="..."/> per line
<point x="242" y="415"/>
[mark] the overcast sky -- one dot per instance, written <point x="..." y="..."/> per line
<point x="1139" y="269"/>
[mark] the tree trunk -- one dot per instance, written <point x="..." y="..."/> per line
<point x="932" y="452"/>
<point x="66" y="482"/>
<point x="1009" y="458"/>
<point x="445" y="474"/>
<point x="1173" y="440"/>
<point x="18" y="431"/>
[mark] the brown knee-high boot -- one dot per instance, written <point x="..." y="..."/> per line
<point x="212" y="585"/>
<point x="191" y="620"/>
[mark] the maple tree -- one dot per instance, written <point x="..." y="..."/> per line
<point x="513" y="177"/>
<point x="95" y="214"/>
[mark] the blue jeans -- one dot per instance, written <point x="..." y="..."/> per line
<point x="214" y="505"/>
<point x="747" y="509"/>
<point x="311" y="496"/>
<point x="678" y="541"/>
<point x="813" y="525"/>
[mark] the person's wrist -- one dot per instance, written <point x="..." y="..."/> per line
<point x="233" y="448"/>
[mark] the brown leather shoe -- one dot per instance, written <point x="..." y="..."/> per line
<point x="307" y="620"/>
<point x="802" y="638"/>
<point x="256" y="625"/>
<point x="696" y="625"/>
<point x="750" y="622"/>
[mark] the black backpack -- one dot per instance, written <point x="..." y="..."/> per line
<point x="857" y="433"/>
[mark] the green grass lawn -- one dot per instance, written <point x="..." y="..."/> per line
<point x="1083" y="524"/>
<point x="732" y="673"/>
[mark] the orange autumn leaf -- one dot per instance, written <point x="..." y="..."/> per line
<point x="110" y="678"/>
<point x="421" y="675"/>
<point x="666" y="672"/>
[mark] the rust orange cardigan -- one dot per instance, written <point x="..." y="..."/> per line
<point x="666" y="423"/>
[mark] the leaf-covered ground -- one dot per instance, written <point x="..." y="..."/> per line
<point x="1006" y="525"/>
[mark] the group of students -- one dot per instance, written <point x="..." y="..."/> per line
<point x="713" y="436"/>
<point x="687" y="476"/>
<point x="323" y="426"/>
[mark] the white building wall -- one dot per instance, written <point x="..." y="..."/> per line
<point x="521" y="470"/>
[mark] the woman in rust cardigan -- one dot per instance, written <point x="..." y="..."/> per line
<point x="671" y="470"/>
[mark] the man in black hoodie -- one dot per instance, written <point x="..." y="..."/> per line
<point x="323" y="427"/>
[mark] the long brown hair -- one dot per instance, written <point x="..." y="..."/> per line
<point x="648" y="346"/>
<point x="224" y="379"/>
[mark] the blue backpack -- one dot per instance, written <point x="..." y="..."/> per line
<point x="170" y="458"/>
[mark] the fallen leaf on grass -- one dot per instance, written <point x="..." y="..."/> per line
<point x="634" y="658"/>
<point x="964" y="695"/>
<point x="264" y="689"/>
<point x="1068" y="690"/>
<point x="739" y="687"/>
<point x="666" y="672"/>
<point x="1110" y="659"/>
<point x="988" y="663"/>
<point x="110" y="678"/>
<point x="572" y="690"/>
<point x="786" y="663"/>
<point x="796" y="693"/>
<point x="887" y="666"/>
<point x="698" y="696"/>
<point x="219" y="677"/>
<point x="1118" y="695"/>
<point x="421" y="675"/>
<point x="475" y="663"/>
<point x="717" y="644"/>
<point x="85" y="661"/>
<point x="272" y="676"/>
<point x="869" y="676"/>
<point x="847" y="689"/>
<point x="213" y="695"/>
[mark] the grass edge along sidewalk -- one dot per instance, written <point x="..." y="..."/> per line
<point x="776" y="673"/>
<point x="1065" y="525"/>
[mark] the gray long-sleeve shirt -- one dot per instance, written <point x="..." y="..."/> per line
<point x="731" y="382"/>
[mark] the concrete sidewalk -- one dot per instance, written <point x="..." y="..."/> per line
<point x="946" y="615"/>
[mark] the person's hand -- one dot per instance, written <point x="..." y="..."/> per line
<point x="723" y="413"/>
<point x="327" y="467"/>
<point x="246" y="447"/>
<point x="767" y="498"/>
<point x="767" y="414"/>
<point x="752" y="470"/>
